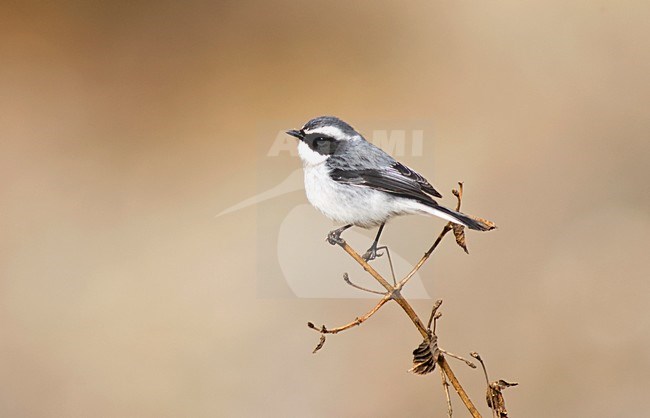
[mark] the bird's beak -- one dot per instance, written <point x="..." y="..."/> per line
<point x="297" y="134"/>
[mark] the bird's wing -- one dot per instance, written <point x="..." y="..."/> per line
<point x="396" y="179"/>
<point x="421" y="181"/>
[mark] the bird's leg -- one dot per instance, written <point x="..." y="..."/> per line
<point x="334" y="237"/>
<point x="390" y="262"/>
<point x="371" y="254"/>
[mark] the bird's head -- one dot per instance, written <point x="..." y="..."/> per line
<point x="321" y="137"/>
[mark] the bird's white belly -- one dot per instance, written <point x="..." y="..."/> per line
<point x="349" y="204"/>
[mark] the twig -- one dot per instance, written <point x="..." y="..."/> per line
<point x="459" y="389"/>
<point x="390" y="263"/>
<point x="459" y="195"/>
<point x="493" y="405"/>
<point x="393" y="293"/>
<point x="445" y="385"/>
<point x="424" y="258"/>
<point x="357" y="321"/>
<point x="320" y="345"/>
<point x="457" y="357"/>
<point x="346" y="278"/>
<point x="448" y="227"/>
<point x="434" y="312"/>
<point x="435" y="321"/>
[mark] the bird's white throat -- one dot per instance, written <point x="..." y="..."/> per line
<point x="310" y="157"/>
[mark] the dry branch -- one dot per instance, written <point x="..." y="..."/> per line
<point x="494" y="396"/>
<point x="427" y="355"/>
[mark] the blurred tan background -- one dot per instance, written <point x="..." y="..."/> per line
<point x="126" y="126"/>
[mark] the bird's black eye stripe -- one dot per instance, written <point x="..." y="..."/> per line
<point x="324" y="145"/>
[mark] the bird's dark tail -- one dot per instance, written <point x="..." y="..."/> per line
<point x="460" y="218"/>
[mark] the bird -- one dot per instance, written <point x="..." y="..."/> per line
<point x="355" y="183"/>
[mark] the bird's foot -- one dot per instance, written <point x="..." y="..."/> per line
<point x="371" y="254"/>
<point x="334" y="237"/>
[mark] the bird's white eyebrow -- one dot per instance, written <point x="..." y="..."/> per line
<point x="331" y="131"/>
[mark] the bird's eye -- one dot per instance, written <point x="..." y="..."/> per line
<point x="322" y="144"/>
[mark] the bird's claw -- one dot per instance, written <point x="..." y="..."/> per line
<point x="371" y="254"/>
<point x="334" y="238"/>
